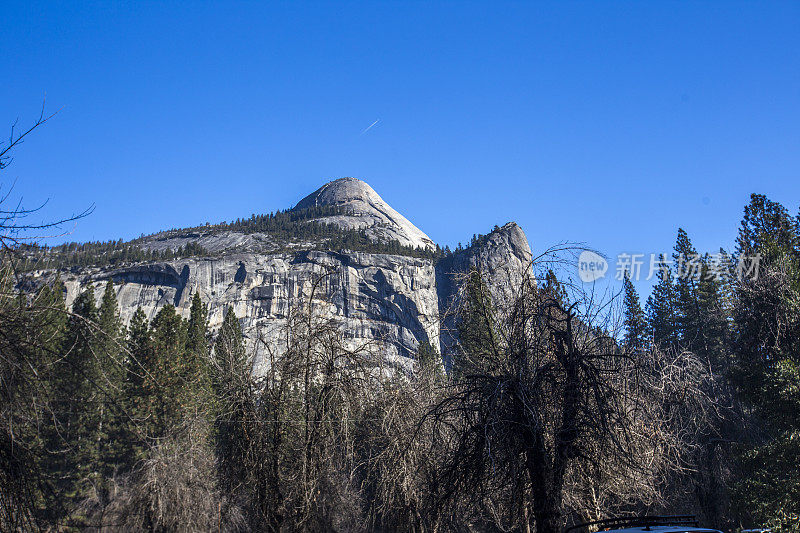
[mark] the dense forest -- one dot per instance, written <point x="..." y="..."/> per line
<point x="551" y="413"/>
<point x="287" y="229"/>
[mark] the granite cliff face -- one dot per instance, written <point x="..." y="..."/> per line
<point x="502" y="257"/>
<point x="395" y="299"/>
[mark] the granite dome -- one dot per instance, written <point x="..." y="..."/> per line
<point x="366" y="210"/>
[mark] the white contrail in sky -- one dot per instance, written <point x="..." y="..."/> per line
<point x="369" y="127"/>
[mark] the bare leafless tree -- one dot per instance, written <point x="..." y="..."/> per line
<point x="545" y="407"/>
<point x="14" y="226"/>
<point x="294" y="463"/>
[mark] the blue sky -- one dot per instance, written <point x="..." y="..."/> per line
<point x="610" y="123"/>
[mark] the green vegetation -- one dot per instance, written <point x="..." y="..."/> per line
<point x="766" y="361"/>
<point x="745" y="324"/>
<point x="98" y="254"/>
<point x="289" y="230"/>
<point x="544" y="420"/>
<point x="635" y="321"/>
<point x="162" y="424"/>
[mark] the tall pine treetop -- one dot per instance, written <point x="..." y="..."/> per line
<point x="635" y="323"/>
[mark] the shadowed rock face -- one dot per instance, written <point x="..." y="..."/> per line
<point x="502" y="258"/>
<point x="396" y="300"/>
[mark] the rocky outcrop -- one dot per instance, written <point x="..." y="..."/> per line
<point x="395" y="301"/>
<point x="216" y="242"/>
<point x="384" y="298"/>
<point x="367" y="211"/>
<point x="502" y="257"/>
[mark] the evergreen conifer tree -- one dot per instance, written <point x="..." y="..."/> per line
<point x="687" y="312"/>
<point x="635" y="323"/>
<point x="661" y="308"/>
<point x="233" y="397"/>
<point x="168" y="383"/>
<point x="111" y="373"/>
<point x="713" y="319"/>
<point x="197" y="355"/>
<point x="476" y="327"/>
<point x="140" y="398"/>
<point x="766" y="365"/>
<point x="78" y="397"/>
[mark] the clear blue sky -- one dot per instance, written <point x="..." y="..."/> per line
<point x="611" y="123"/>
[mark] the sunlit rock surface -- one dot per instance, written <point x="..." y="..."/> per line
<point x="395" y="301"/>
<point x="503" y="258"/>
<point x="368" y="212"/>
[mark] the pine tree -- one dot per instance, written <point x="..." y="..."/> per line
<point x="661" y="309"/>
<point x="726" y="283"/>
<point x="687" y="269"/>
<point x="197" y="360"/>
<point x="111" y="373"/>
<point x="713" y="319"/>
<point x="767" y="229"/>
<point x="168" y="384"/>
<point x="427" y="354"/>
<point x="30" y="365"/>
<point x="635" y="323"/>
<point x="53" y="328"/>
<point x="766" y="367"/>
<point x="229" y="349"/>
<point x="552" y="288"/>
<point x="233" y="397"/>
<point x="476" y="326"/>
<point x="197" y="333"/>
<point x="140" y="400"/>
<point x="430" y="362"/>
<point x="77" y="402"/>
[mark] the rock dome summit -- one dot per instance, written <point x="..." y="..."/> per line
<point x="367" y="211"/>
